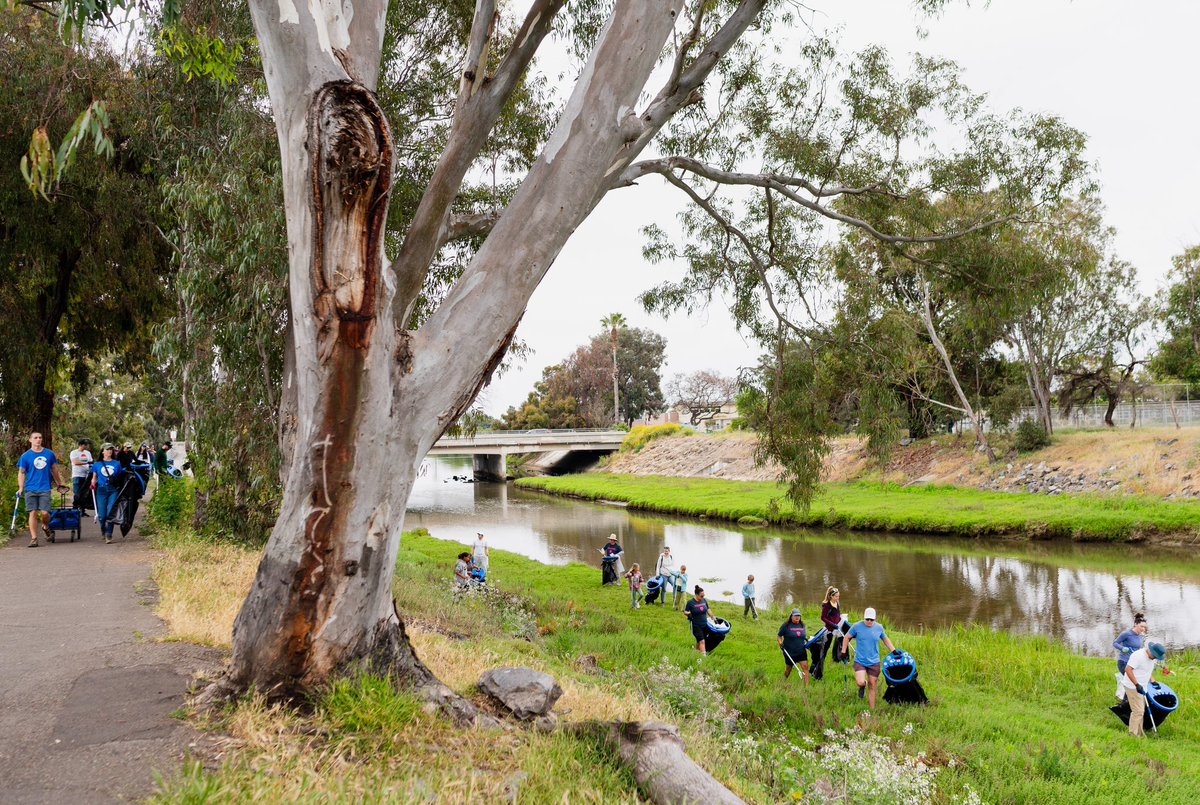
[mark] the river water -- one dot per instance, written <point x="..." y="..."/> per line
<point x="1083" y="595"/>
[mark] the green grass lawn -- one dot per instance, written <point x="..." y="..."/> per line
<point x="887" y="507"/>
<point x="1024" y="719"/>
<point x="1011" y="718"/>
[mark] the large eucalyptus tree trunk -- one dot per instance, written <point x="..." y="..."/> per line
<point x="371" y="397"/>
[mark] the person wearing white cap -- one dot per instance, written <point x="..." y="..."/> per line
<point x="867" y="635"/>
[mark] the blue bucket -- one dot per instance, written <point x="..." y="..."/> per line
<point x="1163" y="700"/>
<point x="654" y="584"/>
<point x="899" y="667"/>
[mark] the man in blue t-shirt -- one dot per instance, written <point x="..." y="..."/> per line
<point x="866" y="635"/>
<point x="37" y="472"/>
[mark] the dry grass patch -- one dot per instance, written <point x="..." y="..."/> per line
<point x="202" y="585"/>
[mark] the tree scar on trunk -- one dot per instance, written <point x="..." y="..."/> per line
<point x="351" y="149"/>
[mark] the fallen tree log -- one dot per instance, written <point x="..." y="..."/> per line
<point x="654" y="752"/>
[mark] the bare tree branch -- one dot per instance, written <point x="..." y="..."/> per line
<point x="786" y="186"/>
<point x="480" y="102"/>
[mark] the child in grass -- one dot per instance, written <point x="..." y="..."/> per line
<point x="635" y="585"/>
<point x="678" y="586"/>
<point x="748" y="595"/>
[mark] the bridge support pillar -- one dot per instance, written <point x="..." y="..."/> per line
<point x="488" y="467"/>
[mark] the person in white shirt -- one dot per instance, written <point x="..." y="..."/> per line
<point x="1138" y="673"/>
<point x="665" y="568"/>
<point x="479" y="552"/>
<point x="81" y="468"/>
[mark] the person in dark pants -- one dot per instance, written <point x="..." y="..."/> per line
<point x="161" y="462"/>
<point x="696" y="611"/>
<point x="106" y="483"/>
<point x="792" y="637"/>
<point x="81" y="470"/>
<point x="125" y="455"/>
<point x="1126" y="644"/>
<point x="831" y="616"/>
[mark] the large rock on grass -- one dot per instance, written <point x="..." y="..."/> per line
<point x="527" y="693"/>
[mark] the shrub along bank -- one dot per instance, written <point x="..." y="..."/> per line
<point x="887" y="507"/>
<point x="1012" y="719"/>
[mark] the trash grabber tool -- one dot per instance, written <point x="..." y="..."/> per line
<point x="799" y="671"/>
<point x="16" y="505"/>
<point x="95" y="508"/>
<point x="1150" y="712"/>
<point x="753" y="608"/>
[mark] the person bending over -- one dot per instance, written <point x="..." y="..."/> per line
<point x="1139" y="672"/>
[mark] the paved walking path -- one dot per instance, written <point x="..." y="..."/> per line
<point x="86" y="694"/>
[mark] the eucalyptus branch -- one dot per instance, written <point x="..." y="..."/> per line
<point x="747" y="244"/>
<point x="480" y="102"/>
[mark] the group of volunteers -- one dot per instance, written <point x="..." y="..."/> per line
<point x="666" y="576"/>
<point x="1135" y="662"/>
<point x="794" y="641"/>
<point x="95" y="480"/>
<point x="471" y="566"/>
<point x="1136" y="659"/>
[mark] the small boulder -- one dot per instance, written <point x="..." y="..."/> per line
<point x="523" y="691"/>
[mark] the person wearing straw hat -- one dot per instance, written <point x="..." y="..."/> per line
<point x="1138" y="674"/>
<point x="792" y="637"/>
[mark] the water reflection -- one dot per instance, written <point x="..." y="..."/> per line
<point x="915" y="583"/>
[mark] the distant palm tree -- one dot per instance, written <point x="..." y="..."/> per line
<point x="613" y="322"/>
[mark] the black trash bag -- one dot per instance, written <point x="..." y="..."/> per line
<point x="654" y="588"/>
<point x="909" y="692"/>
<point x="714" y="636"/>
<point x="608" y="570"/>
<point x="121" y="516"/>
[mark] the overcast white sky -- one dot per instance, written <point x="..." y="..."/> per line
<point x="1124" y="73"/>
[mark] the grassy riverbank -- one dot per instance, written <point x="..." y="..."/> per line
<point x="1012" y="719"/>
<point x="887" y="507"/>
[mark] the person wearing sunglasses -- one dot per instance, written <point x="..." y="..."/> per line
<point x="867" y="635"/>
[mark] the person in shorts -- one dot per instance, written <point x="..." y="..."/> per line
<point x="81" y="468"/>
<point x="867" y="635"/>
<point x="792" y="637"/>
<point x="696" y="611"/>
<point x="36" y="473"/>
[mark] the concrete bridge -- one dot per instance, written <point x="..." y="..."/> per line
<point x="490" y="449"/>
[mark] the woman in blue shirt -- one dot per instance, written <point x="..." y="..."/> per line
<point x="105" y="483"/>
<point x="1126" y="643"/>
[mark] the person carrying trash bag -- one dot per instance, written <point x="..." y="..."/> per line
<point x="610" y="562"/>
<point x="792" y="637"/>
<point x="1139" y="673"/>
<point x="1126" y="644"/>
<point x="831" y="619"/>
<point x="867" y="635"/>
<point x="696" y="611"/>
